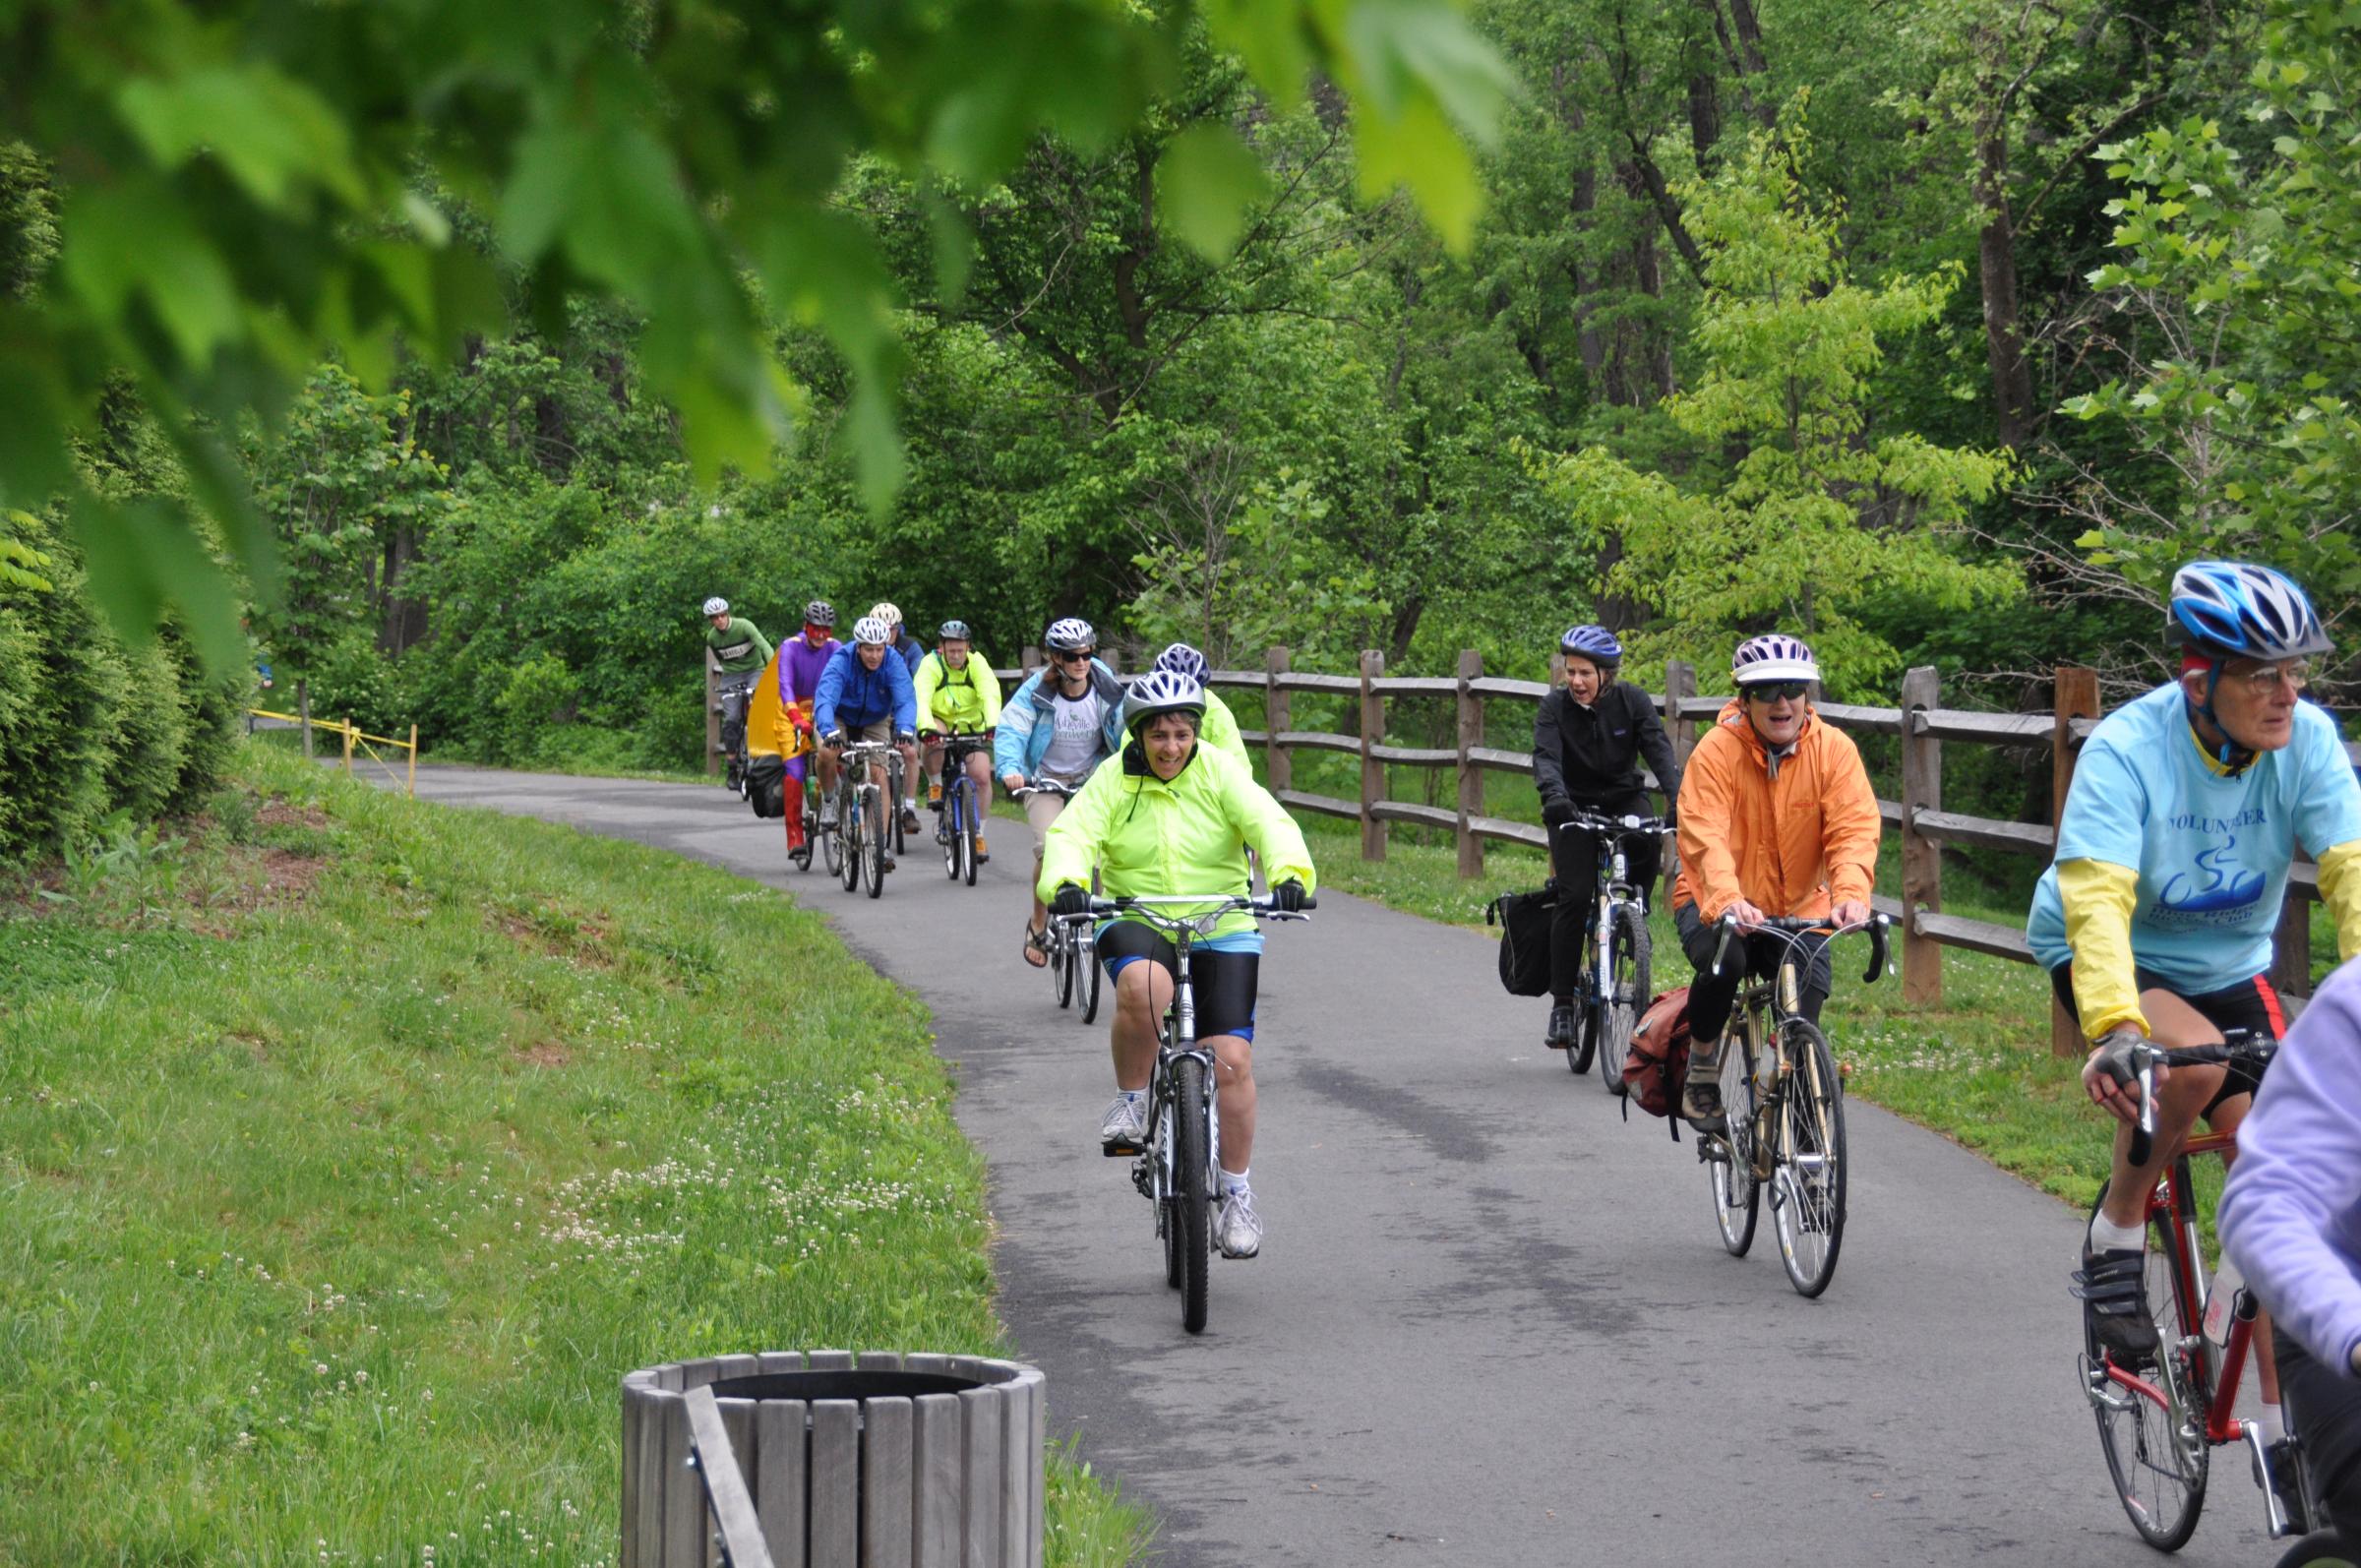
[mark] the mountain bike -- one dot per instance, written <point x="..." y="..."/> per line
<point x="1614" y="952"/>
<point x="866" y="809"/>
<point x="1072" y="944"/>
<point x="730" y="701"/>
<point x="1175" y="1168"/>
<point x="1783" y="1103"/>
<point x="2158" y="1423"/>
<point x="959" y="819"/>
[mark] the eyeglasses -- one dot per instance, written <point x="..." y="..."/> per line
<point x="1082" y="657"/>
<point x="1777" y="690"/>
<point x="2264" y="679"/>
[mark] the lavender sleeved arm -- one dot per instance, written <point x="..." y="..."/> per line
<point x="2291" y="1210"/>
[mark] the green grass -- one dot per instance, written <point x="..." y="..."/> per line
<point x="350" y="1151"/>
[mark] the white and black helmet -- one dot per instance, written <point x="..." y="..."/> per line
<point x="1071" y="635"/>
<point x="819" y="613"/>
<point x="717" y="605"/>
<point x="1773" y="656"/>
<point x="890" y="614"/>
<point x="1161" y="692"/>
<point x="871" y="631"/>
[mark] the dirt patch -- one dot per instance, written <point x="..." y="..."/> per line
<point x="547" y="1053"/>
<point x="279" y="812"/>
<point x="256" y="1046"/>
<point x="557" y="933"/>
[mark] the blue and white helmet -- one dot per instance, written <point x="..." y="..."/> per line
<point x="1181" y="659"/>
<point x="1072" y="634"/>
<point x="1773" y="656"/>
<point x="871" y="631"/>
<point x="717" y="606"/>
<point x="2230" y="609"/>
<point x="1593" y="643"/>
<point x="1161" y="692"/>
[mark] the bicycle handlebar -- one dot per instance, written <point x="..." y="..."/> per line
<point x="1790" y="927"/>
<point x="1262" y="907"/>
<point x="1626" y="825"/>
<point x="1046" y="786"/>
<point x="2235" y="1045"/>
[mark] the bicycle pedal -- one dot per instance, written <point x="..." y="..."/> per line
<point x="1121" y="1149"/>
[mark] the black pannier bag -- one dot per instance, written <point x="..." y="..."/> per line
<point x="766" y="786"/>
<point x="1524" y="921"/>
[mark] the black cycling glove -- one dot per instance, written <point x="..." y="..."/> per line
<point x="1288" y="896"/>
<point x="833" y="740"/>
<point x="1072" y="899"/>
<point x="1556" y="809"/>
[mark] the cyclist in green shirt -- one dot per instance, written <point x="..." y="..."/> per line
<point x="741" y="652"/>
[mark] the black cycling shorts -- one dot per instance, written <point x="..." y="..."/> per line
<point x="2324" y="1406"/>
<point x="1224" y="982"/>
<point x="2250" y="1004"/>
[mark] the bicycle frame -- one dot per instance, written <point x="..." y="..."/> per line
<point x="1614" y="890"/>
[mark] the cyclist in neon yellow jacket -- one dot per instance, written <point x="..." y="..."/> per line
<point x="1174" y="817"/>
<point x="957" y="695"/>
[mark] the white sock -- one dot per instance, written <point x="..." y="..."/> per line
<point x="1234" y="1181"/>
<point x="1134" y="1096"/>
<point x="2108" y="1236"/>
<point x="2274" y="1424"/>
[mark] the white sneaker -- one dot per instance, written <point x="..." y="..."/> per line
<point x="1125" y="1122"/>
<point x="1236" y="1228"/>
<point x="827" y="815"/>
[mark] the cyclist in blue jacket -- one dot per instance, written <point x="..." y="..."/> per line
<point x="1063" y="721"/>
<point x="864" y="695"/>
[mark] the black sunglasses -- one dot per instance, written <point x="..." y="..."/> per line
<point x="1084" y="656"/>
<point x="1777" y="690"/>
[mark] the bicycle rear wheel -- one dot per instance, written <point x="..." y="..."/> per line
<point x="1061" y="959"/>
<point x="1627" y="976"/>
<point x="1737" y="1196"/>
<point x="1192" y="1181"/>
<point x="896" y="778"/>
<point x="2324" y="1550"/>
<point x="832" y="847"/>
<point x="1807" y="1184"/>
<point x="881" y="818"/>
<point x="2155" y="1449"/>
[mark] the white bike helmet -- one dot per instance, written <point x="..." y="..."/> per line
<point x="1773" y="656"/>
<point x="717" y="605"/>
<point x="1161" y="692"/>
<point x="871" y="631"/>
<point x="1071" y="635"/>
<point x="892" y="615"/>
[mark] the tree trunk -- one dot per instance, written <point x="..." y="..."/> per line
<point x="1996" y="256"/>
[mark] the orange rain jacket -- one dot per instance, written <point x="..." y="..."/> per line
<point x="1789" y="844"/>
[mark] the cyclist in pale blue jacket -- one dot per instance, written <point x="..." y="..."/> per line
<point x="864" y="695"/>
<point x="1063" y="721"/>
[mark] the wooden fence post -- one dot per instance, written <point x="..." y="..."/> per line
<point x="414" y="761"/>
<point x="1279" y="764"/>
<point x="712" y="713"/>
<point x="1680" y="683"/>
<point x="1470" y="776"/>
<point x="348" y="743"/>
<point x="1921" y="856"/>
<point x="303" y="714"/>
<point x="2077" y="698"/>
<point x="1372" y="771"/>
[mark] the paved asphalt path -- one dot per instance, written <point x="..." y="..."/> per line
<point x="1491" y="1323"/>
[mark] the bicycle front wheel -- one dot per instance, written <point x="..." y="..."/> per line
<point x="849" y="829"/>
<point x="1092" y="973"/>
<point x="2155" y="1444"/>
<point x="1062" y="959"/>
<point x="1627" y="995"/>
<point x="831" y="845"/>
<point x="970" y="834"/>
<point x="951" y="825"/>
<point x="1193" y="1181"/>
<point x="894" y="780"/>
<point x="1807" y="1182"/>
<point x="879" y="814"/>
<point x="1737" y="1196"/>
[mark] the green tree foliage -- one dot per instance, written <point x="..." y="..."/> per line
<point x="250" y="187"/>
<point x="1796" y="507"/>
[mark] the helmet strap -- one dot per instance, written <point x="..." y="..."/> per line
<point x="2233" y="757"/>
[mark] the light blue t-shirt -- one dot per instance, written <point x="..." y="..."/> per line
<point x="2212" y="852"/>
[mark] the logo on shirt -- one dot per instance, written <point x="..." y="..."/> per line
<point x="2218" y="884"/>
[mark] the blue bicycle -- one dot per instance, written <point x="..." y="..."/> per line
<point x="959" y="819"/>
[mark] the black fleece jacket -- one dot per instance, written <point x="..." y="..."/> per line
<point x="1590" y="756"/>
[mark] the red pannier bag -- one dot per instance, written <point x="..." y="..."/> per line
<point x="1658" y="1063"/>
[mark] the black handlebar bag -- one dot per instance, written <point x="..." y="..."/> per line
<point x="1524" y="921"/>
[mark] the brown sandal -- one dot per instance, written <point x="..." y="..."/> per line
<point x="1037" y="947"/>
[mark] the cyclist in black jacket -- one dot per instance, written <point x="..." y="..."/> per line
<point x="1587" y="743"/>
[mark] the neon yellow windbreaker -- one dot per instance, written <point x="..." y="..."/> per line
<point x="1220" y="728"/>
<point x="967" y="702"/>
<point x="1186" y="837"/>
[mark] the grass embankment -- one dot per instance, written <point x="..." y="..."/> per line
<point x="1977" y="1069"/>
<point x="351" y="1150"/>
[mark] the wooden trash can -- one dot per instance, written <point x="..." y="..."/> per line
<point x="876" y="1460"/>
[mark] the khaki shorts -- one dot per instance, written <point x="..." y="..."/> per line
<point x="1041" y="810"/>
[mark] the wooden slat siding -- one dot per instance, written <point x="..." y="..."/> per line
<point x="781" y="1362"/>
<point x="651" y="1476"/>
<point x="2025" y="838"/>
<point x="1305" y="681"/>
<point x="685" y="1524"/>
<point x="937" y="1465"/>
<point x="878" y="1360"/>
<point x="926" y="1362"/>
<point x="1853" y="716"/>
<point x="888" y="1501"/>
<point x="1922" y="857"/>
<point x="1253" y="736"/>
<point x="1493" y="686"/>
<point x="1467" y="719"/>
<point x="1977" y="936"/>
<point x="1234" y="678"/>
<point x="724" y="1486"/>
<point x="1890" y="813"/>
<point x="1424" y="815"/>
<point x="1509" y="832"/>
<point x="834" y="1521"/>
<point x="829" y="1360"/>
<point x="668" y="1377"/>
<point x="1505" y="760"/>
<point x="1327" y="805"/>
<point x="738" y="1420"/>
<point x="975" y="1368"/>
<point x="981" y="1414"/>
<point x="736" y="1367"/>
<point x="636" y="1388"/>
<point x="781" y="1450"/>
<point x="1415" y="755"/>
<point x="1320" y="741"/>
<point x="1021" y="1513"/>
<point x="700" y="1372"/>
<point x="1417" y="686"/>
<point x="1990" y="729"/>
<point x="1279" y="768"/>
<point x="2076" y="696"/>
<point x="1037" y="1443"/>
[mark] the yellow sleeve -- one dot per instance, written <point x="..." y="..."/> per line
<point x="923" y="689"/>
<point x="2098" y="897"/>
<point x="1072" y="847"/>
<point x="988" y="685"/>
<point x="2340" y="890"/>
